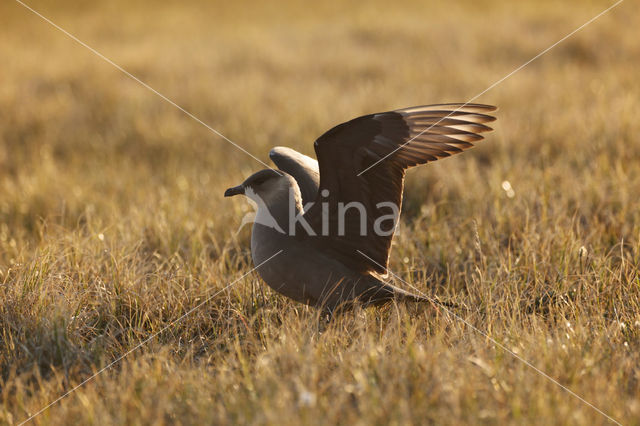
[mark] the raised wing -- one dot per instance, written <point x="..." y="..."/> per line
<point x="304" y="170"/>
<point x="363" y="162"/>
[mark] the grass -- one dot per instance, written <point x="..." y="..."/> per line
<point x="113" y="225"/>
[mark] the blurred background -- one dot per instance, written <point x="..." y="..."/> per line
<point x="81" y="139"/>
<point x="113" y="221"/>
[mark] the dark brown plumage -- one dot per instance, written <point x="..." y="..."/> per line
<point x="347" y="154"/>
<point x="360" y="163"/>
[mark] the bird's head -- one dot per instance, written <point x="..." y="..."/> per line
<point x="264" y="185"/>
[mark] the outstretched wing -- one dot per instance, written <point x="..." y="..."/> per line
<point x="304" y="170"/>
<point x="363" y="162"/>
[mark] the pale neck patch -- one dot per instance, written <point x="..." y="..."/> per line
<point x="263" y="215"/>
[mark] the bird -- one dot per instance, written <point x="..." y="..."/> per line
<point x="323" y="228"/>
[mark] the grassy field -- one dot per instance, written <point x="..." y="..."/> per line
<point x="113" y="224"/>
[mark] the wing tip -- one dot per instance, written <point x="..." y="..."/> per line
<point x="276" y="151"/>
<point x="452" y="107"/>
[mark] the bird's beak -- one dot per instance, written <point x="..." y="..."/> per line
<point x="236" y="190"/>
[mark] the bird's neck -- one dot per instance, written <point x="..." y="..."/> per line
<point x="279" y="208"/>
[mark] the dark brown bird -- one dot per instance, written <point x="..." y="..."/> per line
<point x="330" y="222"/>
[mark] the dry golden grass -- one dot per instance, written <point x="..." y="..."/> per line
<point x="113" y="225"/>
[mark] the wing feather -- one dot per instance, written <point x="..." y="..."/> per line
<point x="304" y="170"/>
<point x="385" y="145"/>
